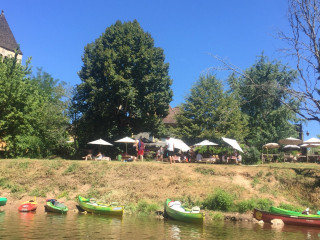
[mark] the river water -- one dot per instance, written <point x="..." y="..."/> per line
<point x="16" y="225"/>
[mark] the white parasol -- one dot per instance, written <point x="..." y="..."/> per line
<point x="271" y="145"/>
<point x="126" y="140"/>
<point x="312" y="141"/>
<point x="206" y="143"/>
<point x="233" y="143"/>
<point x="100" y="142"/>
<point x="291" y="147"/>
<point x="180" y="145"/>
<point x="290" y="141"/>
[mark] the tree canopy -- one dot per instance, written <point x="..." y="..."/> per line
<point x="260" y="91"/>
<point x="210" y="113"/>
<point x="125" y="86"/>
<point x="33" y="121"/>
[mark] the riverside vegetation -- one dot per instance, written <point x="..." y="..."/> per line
<point x="143" y="187"/>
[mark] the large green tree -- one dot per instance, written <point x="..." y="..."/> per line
<point x="32" y="115"/>
<point x="260" y="91"/>
<point x="210" y="113"/>
<point x="125" y="85"/>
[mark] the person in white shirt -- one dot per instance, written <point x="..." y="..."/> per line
<point x="170" y="148"/>
<point x="199" y="157"/>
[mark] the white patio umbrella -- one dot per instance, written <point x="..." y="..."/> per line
<point x="290" y="141"/>
<point x="178" y="143"/>
<point x="233" y="143"/>
<point x="126" y="140"/>
<point x="100" y="142"/>
<point x="312" y="141"/>
<point x="309" y="145"/>
<point x="206" y="143"/>
<point x="271" y="145"/>
<point x="291" y="147"/>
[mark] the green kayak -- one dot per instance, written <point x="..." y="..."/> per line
<point x="291" y="213"/>
<point x="3" y="201"/>
<point x="52" y="205"/>
<point x="175" y="211"/>
<point x="92" y="206"/>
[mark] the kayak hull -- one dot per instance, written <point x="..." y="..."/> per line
<point x="28" y="206"/>
<point x="3" y="201"/>
<point x="187" y="216"/>
<point x="49" y="207"/>
<point x="99" y="208"/>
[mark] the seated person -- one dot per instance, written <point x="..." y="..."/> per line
<point x="89" y="156"/>
<point x="99" y="156"/>
<point x="306" y="212"/>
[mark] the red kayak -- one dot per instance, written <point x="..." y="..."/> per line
<point x="28" y="206"/>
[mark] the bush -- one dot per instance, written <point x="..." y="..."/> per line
<point x="220" y="200"/>
<point x="245" y="205"/>
<point x="145" y="208"/>
<point x="252" y="155"/>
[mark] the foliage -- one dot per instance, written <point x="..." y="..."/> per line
<point x="262" y="99"/>
<point x="248" y="205"/>
<point x="125" y="85"/>
<point x="210" y="113"/>
<point x="32" y="121"/>
<point x="219" y="200"/>
<point x="252" y="155"/>
<point x="290" y="207"/>
<point x="146" y="208"/>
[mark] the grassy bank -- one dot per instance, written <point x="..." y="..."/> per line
<point x="143" y="187"/>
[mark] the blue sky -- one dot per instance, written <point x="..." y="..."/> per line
<point x="54" y="34"/>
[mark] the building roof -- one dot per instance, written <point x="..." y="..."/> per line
<point x="7" y="40"/>
<point x="170" y="119"/>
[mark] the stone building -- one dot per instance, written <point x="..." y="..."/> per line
<point x="8" y="44"/>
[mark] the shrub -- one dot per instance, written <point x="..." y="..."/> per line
<point x="264" y="203"/>
<point x="220" y="200"/>
<point x="251" y="156"/>
<point x="145" y="208"/>
<point x="245" y="205"/>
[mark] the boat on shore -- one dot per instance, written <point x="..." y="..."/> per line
<point x="175" y="211"/>
<point x="287" y="219"/>
<point x="3" y="201"/>
<point x="90" y="205"/>
<point x="28" y="206"/>
<point x="291" y="213"/>
<point x="52" y="205"/>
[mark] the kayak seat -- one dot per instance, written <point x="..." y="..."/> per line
<point x="195" y="210"/>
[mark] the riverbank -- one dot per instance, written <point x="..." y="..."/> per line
<point x="144" y="186"/>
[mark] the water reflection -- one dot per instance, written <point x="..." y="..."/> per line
<point x="15" y="225"/>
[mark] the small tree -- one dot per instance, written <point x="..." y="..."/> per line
<point x="210" y="113"/>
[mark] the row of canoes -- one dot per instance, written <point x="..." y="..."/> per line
<point x="288" y="217"/>
<point x="172" y="209"/>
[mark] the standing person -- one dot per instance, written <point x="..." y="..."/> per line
<point x="141" y="149"/>
<point x="161" y="154"/>
<point x="136" y="148"/>
<point x="170" y="149"/>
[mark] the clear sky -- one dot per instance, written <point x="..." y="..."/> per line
<point x="54" y="34"/>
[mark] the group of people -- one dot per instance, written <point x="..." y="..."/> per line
<point x="99" y="156"/>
